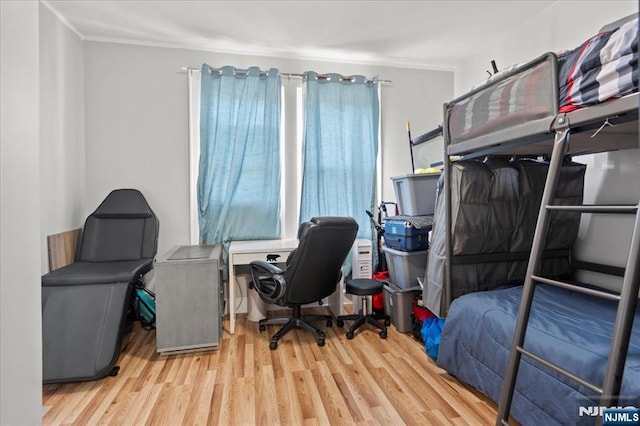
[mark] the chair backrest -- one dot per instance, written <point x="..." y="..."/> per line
<point x="122" y="228"/>
<point x="314" y="268"/>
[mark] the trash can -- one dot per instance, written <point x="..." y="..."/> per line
<point x="256" y="308"/>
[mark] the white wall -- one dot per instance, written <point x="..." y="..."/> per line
<point x="561" y="25"/>
<point x="20" y="319"/>
<point x="137" y="122"/>
<point x="42" y="185"/>
<point x="612" y="177"/>
<point x="62" y="154"/>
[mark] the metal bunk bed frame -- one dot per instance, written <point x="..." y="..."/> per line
<point x="552" y="135"/>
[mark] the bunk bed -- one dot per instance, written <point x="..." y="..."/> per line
<point x="579" y="336"/>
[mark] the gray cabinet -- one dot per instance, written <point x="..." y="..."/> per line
<point x="189" y="298"/>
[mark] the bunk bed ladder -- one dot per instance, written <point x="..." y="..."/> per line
<point x="627" y="299"/>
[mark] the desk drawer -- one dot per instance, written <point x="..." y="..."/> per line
<point x="246" y="258"/>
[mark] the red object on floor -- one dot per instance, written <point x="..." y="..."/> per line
<point x="384" y="275"/>
<point x="377" y="300"/>
<point x="420" y="312"/>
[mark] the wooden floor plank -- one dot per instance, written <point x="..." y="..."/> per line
<point x="267" y="412"/>
<point x="200" y="402"/>
<point x="330" y="400"/>
<point x="352" y="400"/>
<point x="143" y="402"/>
<point x="243" y="401"/>
<point x="361" y="381"/>
<point x="215" y="410"/>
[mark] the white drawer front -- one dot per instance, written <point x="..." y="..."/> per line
<point x="246" y="258"/>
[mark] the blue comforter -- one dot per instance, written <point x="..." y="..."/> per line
<point x="570" y="329"/>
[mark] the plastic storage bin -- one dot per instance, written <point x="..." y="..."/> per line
<point x="401" y="235"/>
<point x="416" y="193"/>
<point x="398" y="304"/>
<point x="407" y="243"/>
<point x="405" y="266"/>
<point x="403" y="227"/>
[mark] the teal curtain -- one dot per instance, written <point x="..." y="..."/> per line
<point x="340" y="149"/>
<point x="239" y="169"/>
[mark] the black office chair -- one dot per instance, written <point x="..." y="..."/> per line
<point x="85" y="304"/>
<point x="312" y="273"/>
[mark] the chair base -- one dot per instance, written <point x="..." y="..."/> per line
<point x="297" y="320"/>
<point x="361" y="319"/>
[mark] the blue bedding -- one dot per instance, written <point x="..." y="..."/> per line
<point x="570" y="329"/>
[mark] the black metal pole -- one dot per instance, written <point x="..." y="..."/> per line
<point x="410" y="146"/>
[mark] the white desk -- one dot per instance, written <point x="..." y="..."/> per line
<point x="245" y="252"/>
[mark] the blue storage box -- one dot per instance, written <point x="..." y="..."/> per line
<point x="401" y="226"/>
<point x="402" y="234"/>
<point x="407" y="243"/>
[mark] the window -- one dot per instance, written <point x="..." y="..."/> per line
<point x="291" y="157"/>
<point x="238" y="185"/>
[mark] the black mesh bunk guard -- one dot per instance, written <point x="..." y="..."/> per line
<point x="535" y="128"/>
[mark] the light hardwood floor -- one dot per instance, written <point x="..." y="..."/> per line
<point x="363" y="381"/>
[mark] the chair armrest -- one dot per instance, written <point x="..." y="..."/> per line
<point x="268" y="281"/>
<point x="266" y="267"/>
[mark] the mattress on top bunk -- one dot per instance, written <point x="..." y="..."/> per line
<point x="494" y="210"/>
<point x="570" y="329"/>
<point x="603" y="67"/>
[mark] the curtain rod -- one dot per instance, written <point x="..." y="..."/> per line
<point x="297" y="75"/>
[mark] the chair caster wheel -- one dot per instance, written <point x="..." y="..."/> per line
<point x="273" y="345"/>
<point x="383" y="334"/>
<point x="321" y="341"/>
<point x="340" y="323"/>
<point x="387" y="322"/>
<point x="115" y="371"/>
<point x="262" y="327"/>
<point x="329" y="323"/>
<point x="349" y="335"/>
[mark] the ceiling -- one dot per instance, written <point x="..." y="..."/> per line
<point x="420" y="34"/>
